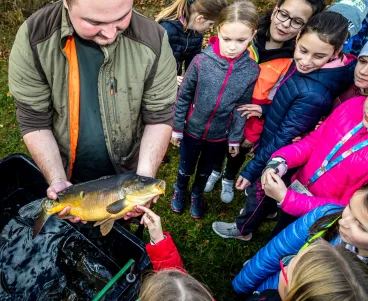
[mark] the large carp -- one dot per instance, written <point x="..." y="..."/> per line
<point x="103" y="200"/>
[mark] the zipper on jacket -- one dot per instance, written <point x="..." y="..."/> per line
<point x="186" y="47"/>
<point x="218" y="99"/>
<point x="113" y="91"/>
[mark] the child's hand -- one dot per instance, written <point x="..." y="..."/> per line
<point x="153" y="222"/>
<point x="250" y="110"/>
<point x="264" y="176"/>
<point x="234" y="150"/>
<point x="241" y="183"/>
<point x="179" y="79"/>
<point x="275" y="187"/>
<point x="175" y="141"/>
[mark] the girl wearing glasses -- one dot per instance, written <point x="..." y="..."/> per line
<point x="319" y="73"/>
<point x="347" y="227"/>
<point x="275" y="43"/>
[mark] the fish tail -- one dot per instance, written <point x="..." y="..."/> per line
<point x="32" y="209"/>
<point x="39" y="222"/>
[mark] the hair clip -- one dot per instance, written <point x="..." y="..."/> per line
<point x="191" y="1"/>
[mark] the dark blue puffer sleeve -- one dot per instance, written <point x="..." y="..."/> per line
<point x="173" y="33"/>
<point x="266" y="262"/>
<point x="301" y="118"/>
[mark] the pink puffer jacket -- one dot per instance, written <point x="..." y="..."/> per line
<point x="339" y="183"/>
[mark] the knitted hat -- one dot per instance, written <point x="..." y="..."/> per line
<point x="364" y="51"/>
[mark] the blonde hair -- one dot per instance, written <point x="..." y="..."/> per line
<point x="209" y="9"/>
<point x="240" y="11"/>
<point x="327" y="273"/>
<point x="173" y="285"/>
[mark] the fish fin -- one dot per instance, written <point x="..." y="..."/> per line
<point x="32" y="209"/>
<point x="98" y="223"/>
<point x="116" y="207"/>
<point x="39" y="222"/>
<point x="106" y="227"/>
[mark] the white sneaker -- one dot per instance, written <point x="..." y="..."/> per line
<point x="213" y="178"/>
<point x="227" y="193"/>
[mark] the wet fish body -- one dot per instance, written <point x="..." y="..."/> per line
<point x="103" y="200"/>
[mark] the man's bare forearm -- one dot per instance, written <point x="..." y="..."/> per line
<point x="154" y="144"/>
<point x="45" y="152"/>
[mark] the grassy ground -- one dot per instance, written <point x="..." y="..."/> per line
<point x="209" y="258"/>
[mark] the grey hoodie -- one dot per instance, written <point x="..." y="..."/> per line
<point x="212" y="89"/>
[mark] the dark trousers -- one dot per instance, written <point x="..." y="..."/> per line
<point x="284" y="220"/>
<point x="258" y="205"/>
<point x="201" y="154"/>
<point x="233" y="164"/>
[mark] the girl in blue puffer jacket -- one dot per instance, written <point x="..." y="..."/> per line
<point x="338" y="225"/>
<point x="206" y="120"/>
<point x="185" y="22"/>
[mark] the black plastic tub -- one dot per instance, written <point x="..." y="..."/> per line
<point x="81" y="254"/>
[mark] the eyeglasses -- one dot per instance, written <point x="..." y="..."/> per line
<point x="283" y="16"/>
<point x="284" y="272"/>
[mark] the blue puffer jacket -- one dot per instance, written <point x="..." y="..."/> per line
<point x="185" y="45"/>
<point x="263" y="270"/>
<point x="300" y="102"/>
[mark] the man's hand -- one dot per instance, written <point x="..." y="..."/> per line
<point x="234" y="151"/>
<point x="241" y="183"/>
<point x="175" y="141"/>
<point x="56" y="186"/>
<point x="153" y="222"/>
<point x="250" y="110"/>
<point x="275" y="187"/>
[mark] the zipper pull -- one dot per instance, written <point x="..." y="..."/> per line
<point x="113" y="86"/>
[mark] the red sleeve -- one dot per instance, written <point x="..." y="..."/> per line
<point x="165" y="255"/>
<point x="253" y="129"/>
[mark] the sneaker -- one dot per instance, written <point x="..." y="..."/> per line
<point x="197" y="205"/>
<point x="227" y="193"/>
<point x="229" y="230"/>
<point x="178" y="200"/>
<point x="213" y="178"/>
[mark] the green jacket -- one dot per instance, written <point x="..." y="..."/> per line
<point x="137" y="83"/>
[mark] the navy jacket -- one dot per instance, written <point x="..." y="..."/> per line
<point x="212" y="88"/>
<point x="300" y="102"/>
<point x="185" y="45"/>
<point x="263" y="270"/>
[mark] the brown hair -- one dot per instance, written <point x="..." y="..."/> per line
<point x="321" y="223"/>
<point x="327" y="273"/>
<point x="209" y="9"/>
<point x="240" y="11"/>
<point x="173" y="285"/>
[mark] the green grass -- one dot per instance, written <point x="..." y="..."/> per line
<point x="209" y="258"/>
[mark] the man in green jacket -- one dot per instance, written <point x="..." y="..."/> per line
<point x="94" y="84"/>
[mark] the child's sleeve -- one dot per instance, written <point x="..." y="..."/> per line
<point x="288" y="242"/>
<point x="164" y="255"/>
<point x="185" y="97"/>
<point x="291" y="127"/>
<point x="236" y="132"/>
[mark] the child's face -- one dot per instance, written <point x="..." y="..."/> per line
<point x="361" y="73"/>
<point x="354" y="223"/>
<point x="298" y="10"/>
<point x="311" y="53"/>
<point x="234" y="38"/>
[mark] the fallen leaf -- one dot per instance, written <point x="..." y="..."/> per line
<point x="206" y="242"/>
<point x="9" y="94"/>
<point x="222" y="214"/>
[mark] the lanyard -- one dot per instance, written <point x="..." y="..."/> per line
<point x="327" y="165"/>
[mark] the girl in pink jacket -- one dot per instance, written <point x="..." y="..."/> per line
<point x="333" y="160"/>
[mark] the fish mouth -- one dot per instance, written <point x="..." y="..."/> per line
<point x="161" y="186"/>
